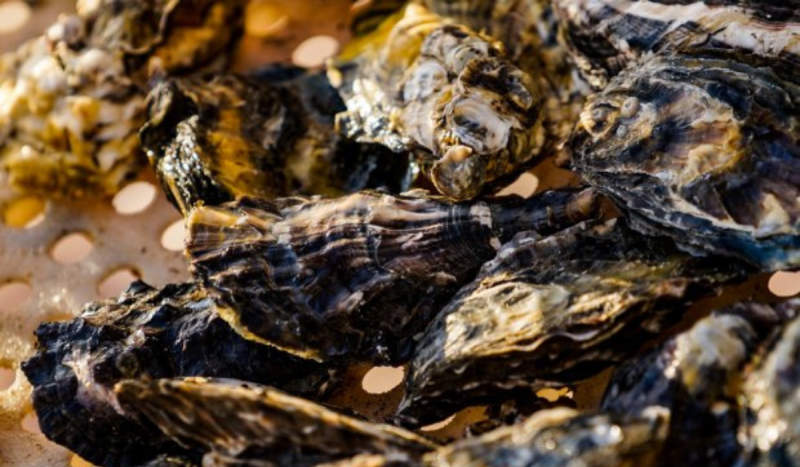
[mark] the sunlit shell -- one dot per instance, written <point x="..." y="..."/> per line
<point x="702" y="147"/>
<point x="552" y="311"/>
<point x="146" y="333"/>
<point x="242" y="422"/>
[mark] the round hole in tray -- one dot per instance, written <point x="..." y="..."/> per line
<point x="71" y="248"/>
<point x="785" y="284"/>
<point x="313" y="51"/>
<point x="134" y="198"/>
<point x="382" y="379"/>
<point x="7" y="377"/>
<point x="172" y="238"/>
<point x="13" y="294"/>
<point x="13" y="16"/>
<point x="117" y="282"/>
<point x="524" y="186"/>
<point x="24" y="212"/>
<point x="439" y="425"/>
<point x="30" y="423"/>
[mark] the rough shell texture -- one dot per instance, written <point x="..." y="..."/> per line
<point x="422" y="83"/>
<point x="269" y="135"/>
<point x="696" y="376"/>
<point x="355" y="277"/>
<point x="242" y="422"/>
<point x="562" y="437"/>
<point x="550" y="312"/>
<point x="704" y="148"/>
<point x="772" y="407"/>
<point x="72" y="100"/>
<point x="605" y="36"/>
<point x="146" y="333"/>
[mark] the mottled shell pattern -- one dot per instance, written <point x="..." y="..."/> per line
<point x="424" y="83"/>
<point x="355" y="277"/>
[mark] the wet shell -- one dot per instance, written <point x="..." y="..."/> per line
<point x="212" y="141"/>
<point x="772" y="407"/>
<point x="703" y="148"/>
<point x="562" y="437"/>
<point x="423" y="83"/>
<point x="355" y="277"/>
<point x="146" y="333"/>
<point x="72" y="100"/>
<point x="243" y="422"/>
<point x="696" y="376"/>
<point x="552" y="311"/>
<point x="605" y="36"/>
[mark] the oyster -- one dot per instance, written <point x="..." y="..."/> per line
<point x="246" y="424"/>
<point x="772" y="408"/>
<point x="552" y="311"/>
<point x="355" y="277"/>
<point x="146" y="333"/>
<point x="604" y="36"/>
<point x="423" y="83"/>
<point x="72" y="100"/>
<point x="562" y="437"/>
<point x="212" y="141"/>
<point x="696" y="376"/>
<point x="702" y="147"/>
<point x="376" y="460"/>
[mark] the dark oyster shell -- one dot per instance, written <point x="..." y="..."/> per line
<point x="355" y="277"/>
<point x="704" y="148"/>
<point x="552" y="311"/>
<point x="562" y="437"/>
<point x="146" y="333"/>
<point x="696" y="376"/>
<point x="73" y="98"/>
<point x="604" y="36"/>
<point x="421" y="82"/>
<point x="212" y="141"/>
<point x="239" y="423"/>
<point x="772" y="405"/>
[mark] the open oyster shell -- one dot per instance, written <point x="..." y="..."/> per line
<point x="238" y="423"/>
<point x="356" y="277"/>
<point x="146" y="333"/>
<point x="605" y="36"/>
<point x="266" y="136"/>
<point x="72" y="100"/>
<point x="552" y="311"/>
<point x="423" y="83"/>
<point x="697" y="377"/>
<point x="702" y="147"/>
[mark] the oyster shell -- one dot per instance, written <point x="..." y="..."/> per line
<point x="562" y="437"/>
<point x="238" y="423"/>
<point x="772" y="405"/>
<point x="552" y="311"/>
<point x="212" y="141"/>
<point x="146" y="333"/>
<point x="696" y="376"/>
<point x="423" y="83"/>
<point x="376" y="460"/>
<point x="72" y="100"/>
<point x="604" y="36"/>
<point x="702" y="147"/>
<point x="355" y="277"/>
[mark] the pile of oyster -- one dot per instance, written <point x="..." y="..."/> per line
<point x="351" y="216"/>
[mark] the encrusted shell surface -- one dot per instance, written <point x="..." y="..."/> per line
<point x="702" y="147"/>
<point x="355" y="277"/>
<point x="212" y="141"/>
<point x="563" y="437"/>
<point x="552" y="311"/>
<point x="146" y="333"/>
<point x="72" y="100"/>
<point x="605" y="36"/>
<point x="423" y="83"/>
<point x="697" y="376"/>
<point x="244" y="422"/>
